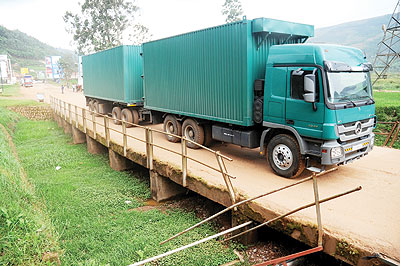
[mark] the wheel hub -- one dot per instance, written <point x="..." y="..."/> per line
<point x="189" y="132"/>
<point x="282" y="157"/>
<point x="170" y="127"/>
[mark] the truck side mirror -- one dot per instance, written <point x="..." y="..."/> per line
<point x="309" y="88"/>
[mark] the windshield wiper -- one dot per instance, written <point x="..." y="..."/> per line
<point x="370" y="100"/>
<point x="348" y="99"/>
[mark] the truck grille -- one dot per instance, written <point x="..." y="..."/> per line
<point x="355" y="130"/>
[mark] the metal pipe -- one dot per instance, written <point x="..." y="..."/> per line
<point x="191" y="245"/>
<point x="317" y="210"/>
<point x="294" y="211"/>
<point x="245" y="201"/>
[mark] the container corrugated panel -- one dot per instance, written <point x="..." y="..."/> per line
<point x="209" y="73"/>
<point x="114" y="74"/>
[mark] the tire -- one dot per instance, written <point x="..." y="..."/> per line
<point x="173" y="126"/>
<point x="135" y="114"/>
<point x="96" y="108"/>
<point x="90" y="105"/>
<point x="284" y="157"/>
<point x="116" y="115"/>
<point x="127" y="116"/>
<point x="193" y="131"/>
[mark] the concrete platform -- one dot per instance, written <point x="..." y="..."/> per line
<point x="355" y="226"/>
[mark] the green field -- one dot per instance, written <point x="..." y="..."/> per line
<point x="80" y="213"/>
<point x="387" y="99"/>
<point x="391" y="83"/>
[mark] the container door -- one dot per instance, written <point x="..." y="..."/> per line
<point x="300" y="114"/>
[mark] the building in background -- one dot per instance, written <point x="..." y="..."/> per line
<point x="52" y="67"/>
<point x="6" y="73"/>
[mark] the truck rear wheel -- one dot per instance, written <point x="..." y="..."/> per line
<point x="127" y="116"/>
<point x="173" y="126"/>
<point x="284" y="157"/>
<point x="193" y="131"/>
<point x="116" y="115"/>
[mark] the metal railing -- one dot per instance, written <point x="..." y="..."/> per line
<point x="392" y="134"/>
<point x="73" y="114"/>
<point x="278" y="261"/>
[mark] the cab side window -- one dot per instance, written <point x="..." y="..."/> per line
<point x="297" y="84"/>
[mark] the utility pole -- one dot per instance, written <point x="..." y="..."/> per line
<point x="389" y="47"/>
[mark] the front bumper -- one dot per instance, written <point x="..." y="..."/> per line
<point x="350" y="151"/>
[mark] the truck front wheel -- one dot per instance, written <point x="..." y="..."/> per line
<point x="284" y="157"/>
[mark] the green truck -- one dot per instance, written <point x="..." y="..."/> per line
<point x="255" y="83"/>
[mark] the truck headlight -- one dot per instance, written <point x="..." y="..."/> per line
<point x="336" y="152"/>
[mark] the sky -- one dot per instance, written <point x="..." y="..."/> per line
<point x="42" y="19"/>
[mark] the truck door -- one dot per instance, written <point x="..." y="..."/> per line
<point x="300" y="114"/>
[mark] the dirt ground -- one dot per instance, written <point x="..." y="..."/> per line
<point x="369" y="218"/>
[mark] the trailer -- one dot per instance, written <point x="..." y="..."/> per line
<point x="113" y="84"/>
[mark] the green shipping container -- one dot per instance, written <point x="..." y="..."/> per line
<point x="210" y="73"/>
<point x="114" y="75"/>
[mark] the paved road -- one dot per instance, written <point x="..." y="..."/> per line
<point x="369" y="218"/>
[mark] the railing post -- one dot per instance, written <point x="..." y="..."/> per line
<point x="184" y="161"/>
<point x="69" y="113"/>
<point x="94" y="124"/>
<point x="65" y="111"/>
<point x="317" y="209"/>
<point x="228" y="182"/>
<point x="84" y="119"/>
<point x="107" y="130"/>
<point x="124" y="139"/>
<point x="149" y="148"/>
<point x="76" y="117"/>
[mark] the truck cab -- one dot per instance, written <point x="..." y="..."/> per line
<point x="318" y="104"/>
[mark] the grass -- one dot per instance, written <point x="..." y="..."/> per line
<point x="10" y="90"/>
<point x="25" y="230"/>
<point x="387" y="99"/>
<point x="85" y="204"/>
<point x="391" y="83"/>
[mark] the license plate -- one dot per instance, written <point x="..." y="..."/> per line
<point x="357" y="147"/>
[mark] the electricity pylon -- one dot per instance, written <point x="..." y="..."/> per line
<point x="388" y="48"/>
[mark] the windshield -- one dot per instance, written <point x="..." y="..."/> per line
<point x="349" y="86"/>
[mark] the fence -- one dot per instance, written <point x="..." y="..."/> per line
<point x="392" y="134"/>
<point x="74" y="115"/>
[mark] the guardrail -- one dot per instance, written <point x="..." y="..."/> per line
<point x="73" y="114"/>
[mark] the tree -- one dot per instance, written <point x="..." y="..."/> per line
<point x="67" y="67"/>
<point x="233" y="11"/>
<point x="102" y="23"/>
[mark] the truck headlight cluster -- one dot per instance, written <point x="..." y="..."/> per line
<point x="336" y="152"/>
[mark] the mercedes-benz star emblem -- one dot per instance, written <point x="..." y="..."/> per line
<point x="358" y="128"/>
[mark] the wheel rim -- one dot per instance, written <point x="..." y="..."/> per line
<point x="282" y="157"/>
<point x="170" y="127"/>
<point x="189" y="132"/>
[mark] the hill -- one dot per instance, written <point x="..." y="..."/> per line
<point x="27" y="51"/>
<point x="364" y="34"/>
